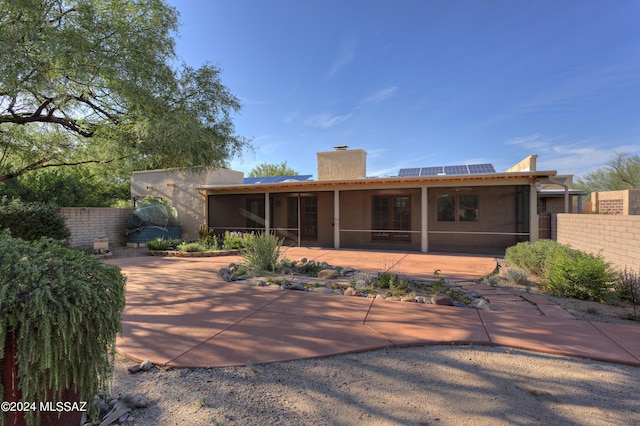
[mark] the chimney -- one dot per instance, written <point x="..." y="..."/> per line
<point x="342" y="163"/>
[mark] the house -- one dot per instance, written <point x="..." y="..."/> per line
<point x="466" y="208"/>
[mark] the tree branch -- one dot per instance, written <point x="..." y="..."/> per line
<point x="41" y="164"/>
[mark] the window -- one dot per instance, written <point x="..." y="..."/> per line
<point x="255" y="213"/>
<point x="391" y="214"/>
<point x="457" y="208"/>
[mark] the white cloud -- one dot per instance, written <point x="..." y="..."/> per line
<point x="381" y="95"/>
<point x="577" y="157"/>
<point x="345" y="55"/>
<point x="325" y="120"/>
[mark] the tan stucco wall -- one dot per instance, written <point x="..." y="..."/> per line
<point x="179" y="189"/>
<point x="626" y="202"/>
<point x="526" y="165"/>
<point x="617" y="237"/>
<point x="342" y="164"/>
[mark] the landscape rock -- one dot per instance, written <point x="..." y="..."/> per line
<point x="328" y="274"/>
<point x="442" y="300"/>
<point x="132" y="369"/>
<point x="146" y="365"/>
<point x="482" y="304"/>
<point x="350" y="291"/>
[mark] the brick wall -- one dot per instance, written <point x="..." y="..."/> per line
<point x="617" y="238"/>
<point x="88" y="223"/>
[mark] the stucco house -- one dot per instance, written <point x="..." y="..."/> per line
<point x="467" y="208"/>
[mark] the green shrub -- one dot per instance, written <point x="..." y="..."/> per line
<point x="233" y="240"/>
<point x="31" y="221"/>
<point x="162" y="244"/>
<point x="532" y="257"/>
<point x="63" y="307"/>
<point x="262" y="252"/>
<point x="191" y="247"/>
<point x="580" y="275"/>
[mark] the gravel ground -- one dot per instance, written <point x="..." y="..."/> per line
<point x="432" y="385"/>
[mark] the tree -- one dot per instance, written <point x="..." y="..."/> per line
<point x="95" y="81"/>
<point x="621" y="172"/>
<point x="266" y="169"/>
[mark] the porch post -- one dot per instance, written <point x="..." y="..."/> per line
<point x="424" y="219"/>
<point x="267" y="215"/>
<point x="533" y="214"/>
<point x="336" y="219"/>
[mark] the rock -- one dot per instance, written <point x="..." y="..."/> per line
<point x="132" y="369"/>
<point x="328" y="274"/>
<point x="146" y="365"/>
<point x="297" y="286"/>
<point x="351" y="292"/>
<point x="348" y="271"/>
<point x="482" y="304"/>
<point x="303" y="260"/>
<point x="320" y="290"/>
<point x="442" y="300"/>
<point x="407" y="299"/>
<point x="459" y="304"/>
<point x="380" y="296"/>
<point x="233" y="277"/>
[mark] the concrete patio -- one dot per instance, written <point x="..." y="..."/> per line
<point x="180" y="314"/>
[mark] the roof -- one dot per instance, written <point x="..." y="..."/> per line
<point x="504" y="178"/>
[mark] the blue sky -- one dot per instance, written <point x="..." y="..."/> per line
<point x="425" y="83"/>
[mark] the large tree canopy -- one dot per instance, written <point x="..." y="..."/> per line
<point x="621" y="172"/>
<point x="266" y="169"/>
<point x="86" y="81"/>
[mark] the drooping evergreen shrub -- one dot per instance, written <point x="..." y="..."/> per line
<point x="32" y="220"/>
<point x="63" y="308"/>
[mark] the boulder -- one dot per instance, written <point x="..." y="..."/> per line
<point x="442" y="300"/>
<point x="328" y="274"/>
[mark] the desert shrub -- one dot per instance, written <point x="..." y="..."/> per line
<point x="233" y="240"/>
<point x="580" y="275"/>
<point x="518" y="275"/>
<point x="532" y="257"/>
<point x="628" y="288"/>
<point x="32" y="220"/>
<point x="385" y="279"/>
<point x="63" y="307"/>
<point x="398" y="286"/>
<point x="262" y="252"/>
<point x="191" y="247"/>
<point x="162" y="244"/>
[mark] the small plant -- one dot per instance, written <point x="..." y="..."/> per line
<point x="518" y="275"/>
<point x="398" y="286"/>
<point x="532" y="257"/>
<point x="190" y="247"/>
<point x="491" y="280"/>
<point x="591" y="310"/>
<point x="162" y="244"/>
<point x="263" y="252"/>
<point x="385" y="279"/>
<point x="201" y="400"/>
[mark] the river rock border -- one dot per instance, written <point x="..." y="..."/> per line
<point x="338" y="281"/>
<point x="176" y="253"/>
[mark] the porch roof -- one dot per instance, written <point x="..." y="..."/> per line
<point x="504" y="178"/>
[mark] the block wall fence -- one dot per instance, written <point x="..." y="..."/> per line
<point x="616" y="237"/>
<point x="89" y="223"/>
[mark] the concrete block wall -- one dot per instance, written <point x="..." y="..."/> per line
<point x="88" y="223"/>
<point x="617" y="237"/>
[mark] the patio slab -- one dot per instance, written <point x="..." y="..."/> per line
<point x="180" y="313"/>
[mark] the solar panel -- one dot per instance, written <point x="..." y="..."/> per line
<point x="457" y="170"/>
<point x="413" y="172"/>
<point x="275" y="179"/>
<point x="430" y="171"/>
<point x="481" y="168"/>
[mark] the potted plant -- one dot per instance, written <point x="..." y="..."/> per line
<point x="59" y="316"/>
